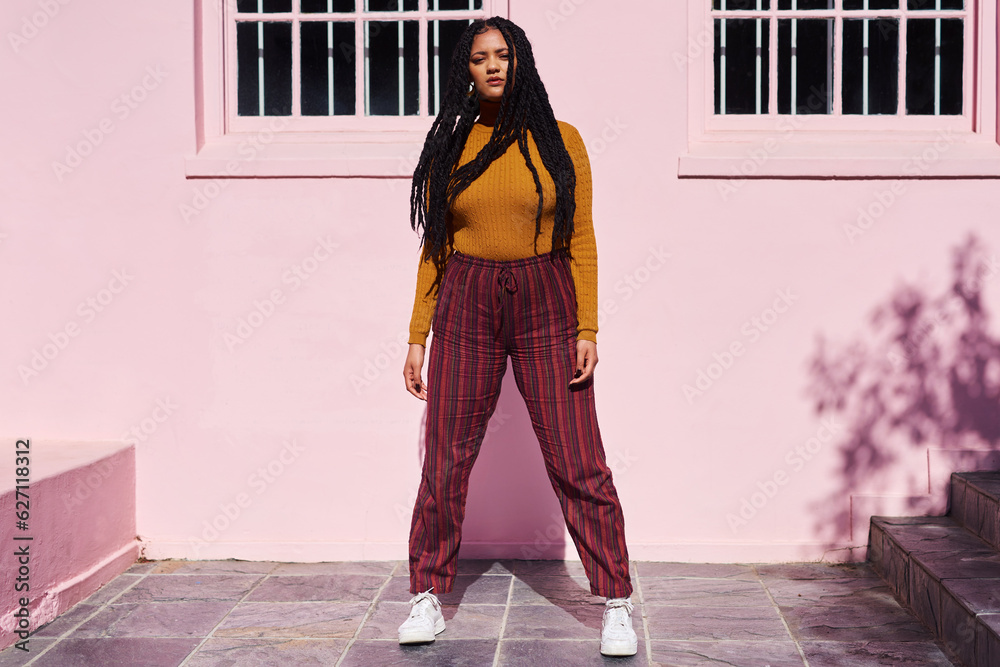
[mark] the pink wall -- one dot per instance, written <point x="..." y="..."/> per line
<point x="150" y="361"/>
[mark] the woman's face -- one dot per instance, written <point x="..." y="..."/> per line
<point x="488" y="63"/>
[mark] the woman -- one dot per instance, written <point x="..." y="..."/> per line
<point x="509" y="267"/>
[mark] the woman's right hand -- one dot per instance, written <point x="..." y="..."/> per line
<point x="411" y="371"/>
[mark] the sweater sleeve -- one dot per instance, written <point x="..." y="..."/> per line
<point x="583" y="244"/>
<point x="423" y="302"/>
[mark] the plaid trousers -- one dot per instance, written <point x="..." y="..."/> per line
<point x="525" y="308"/>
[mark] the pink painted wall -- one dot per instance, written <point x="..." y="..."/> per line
<point x="273" y="443"/>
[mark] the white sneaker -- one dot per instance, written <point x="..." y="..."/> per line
<point x="425" y="620"/>
<point x="617" y="635"/>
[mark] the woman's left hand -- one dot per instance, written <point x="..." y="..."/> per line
<point x="586" y="359"/>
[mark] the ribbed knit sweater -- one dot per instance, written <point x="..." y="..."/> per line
<point x="494" y="218"/>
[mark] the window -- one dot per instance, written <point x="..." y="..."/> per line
<point x="323" y="87"/>
<point x="861" y="80"/>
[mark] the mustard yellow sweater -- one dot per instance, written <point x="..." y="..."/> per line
<point x="494" y="218"/>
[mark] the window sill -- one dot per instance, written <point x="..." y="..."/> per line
<point x="947" y="157"/>
<point x="260" y="155"/>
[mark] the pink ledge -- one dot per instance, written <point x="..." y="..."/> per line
<point x="80" y="521"/>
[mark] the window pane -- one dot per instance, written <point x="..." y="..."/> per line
<point x="805" y="4"/>
<point x="934" y="82"/>
<point x="393" y="91"/>
<point x="805" y="65"/>
<point x="391" y="5"/>
<point x="872" y="4"/>
<point x="881" y="67"/>
<point x="264" y="63"/>
<point x="450" y="5"/>
<point x="443" y="45"/>
<point x="740" y="80"/>
<point x="263" y="6"/>
<point x="932" y="4"/>
<point x="741" y="5"/>
<point x="327" y="67"/>
<point x="327" y="6"/>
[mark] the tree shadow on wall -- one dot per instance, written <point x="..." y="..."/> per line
<point x="927" y="373"/>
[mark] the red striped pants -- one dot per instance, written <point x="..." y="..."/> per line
<point x="525" y="308"/>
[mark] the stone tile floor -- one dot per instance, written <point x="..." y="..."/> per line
<point x="537" y="613"/>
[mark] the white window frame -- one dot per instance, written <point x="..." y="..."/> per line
<point x="832" y="146"/>
<point x="229" y="146"/>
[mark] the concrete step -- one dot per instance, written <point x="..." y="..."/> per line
<point x="975" y="504"/>
<point x="75" y="531"/>
<point x="948" y="576"/>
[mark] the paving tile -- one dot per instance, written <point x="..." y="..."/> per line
<point x="316" y="587"/>
<point x="212" y="567"/>
<point x="533" y="589"/>
<point x="925" y="597"/>
<point x="471" y="566"/>
<point x="988" y="639"/>
<point x="572" y="568"/>
<point x="465" y="621"/>
<point x="982" y="514"/>
<point x="66" y="620"/>
<point x="572" y="621"/>
<point x="131" y="651"/>
<point x="913" y="520"/>
<point x="964" y="565"/>
<point x="870" y="653"/>
<point x="142" y="568"/>
<point x="520" y="652"/>
<point x="860" y="590"/>
<point x="304" y="619"/>
<point x="875" y="547"/>
<point x="774" y="653"/>
<point x="271" y="652"/>
<point x="15" y="657"/>
<point x="704" y="593"/>
<point x="167" y="587"/>
<point x="155" y="619"/>
<point x="713" y="623"/>
<point x="699" y="570"/>
<point x="370" y="567"/>
<point x="111" y="589"/>
<point x="853" y="623"/>
<point x="956" y="500"/>
<point x="896" y="569"/>
<point x="451" y="652"/>
<point x="813" y="570"/>
<point x="468" y="589"/>
<point x="931" y="537"/>
<point x="979" y="595"/>
<point x="958" y="626"/>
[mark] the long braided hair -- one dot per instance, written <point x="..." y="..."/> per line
<point x="524" y="106"/>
